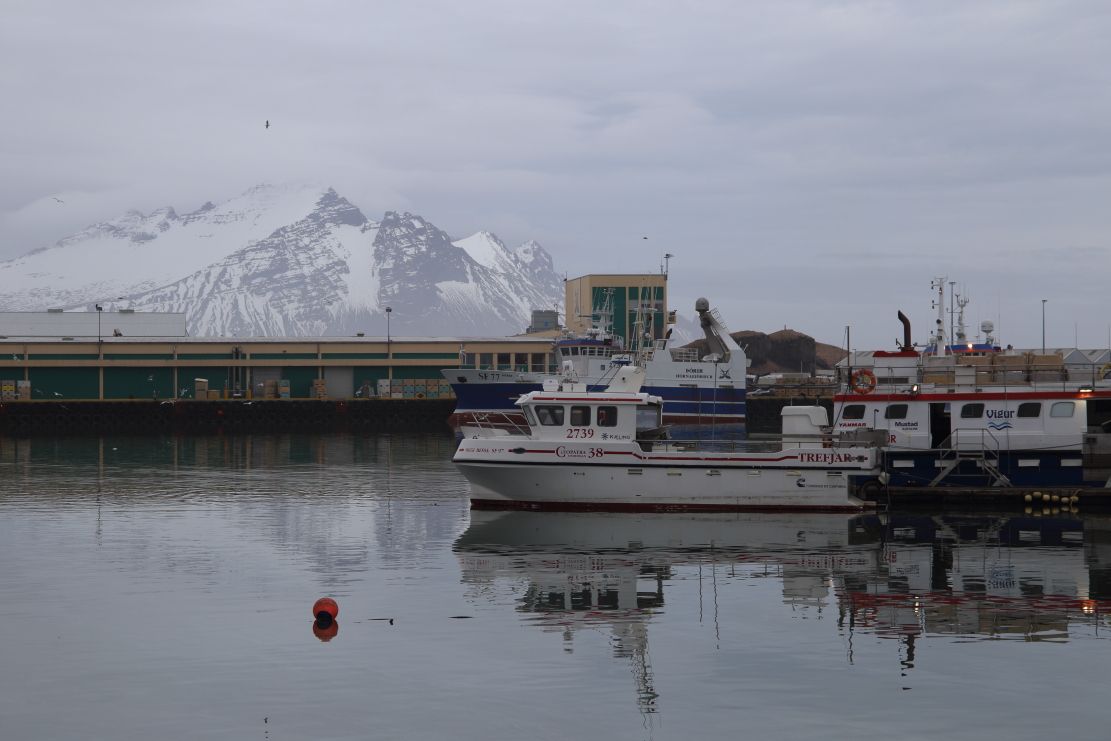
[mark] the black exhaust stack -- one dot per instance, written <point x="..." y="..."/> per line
<point x="906" y="331"/>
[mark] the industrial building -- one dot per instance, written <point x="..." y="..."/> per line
<point x="634" y="299"/>
<point x="139" y="355"/>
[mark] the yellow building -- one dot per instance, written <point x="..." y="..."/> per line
<point x="635" y="300"/>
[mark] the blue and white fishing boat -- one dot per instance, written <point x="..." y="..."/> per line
<point x="977" y="416"/>
<point x="703" y="395"/>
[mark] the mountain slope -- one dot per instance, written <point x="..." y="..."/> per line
<point x="290" y="261"/>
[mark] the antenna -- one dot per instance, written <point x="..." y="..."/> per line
<point x="938" y="303"/>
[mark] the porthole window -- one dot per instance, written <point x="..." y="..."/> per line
<point x="1062" y="409"/>
<point x="895" y="411"/>
<point x="852" y="411"/>
<point x="972" y="411"/>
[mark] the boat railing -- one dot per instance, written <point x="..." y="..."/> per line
<point x="766" y="443"/>
<point x="493" y="422"/>
<point x="1008" y="371"/>
<point x="684" y="355"/>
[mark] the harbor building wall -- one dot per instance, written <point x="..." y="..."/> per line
<point x="45" y="369"/>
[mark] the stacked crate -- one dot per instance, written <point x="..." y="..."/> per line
<point x="270" y="389"/>
<point x="200" y="388"/>
<point x="7" y="390"/>
<point x="283" y="388"/>
<point x="23" y="390"/>
<point x="319" y="389"/>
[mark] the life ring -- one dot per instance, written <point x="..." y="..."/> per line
<point x="863" y="381"/>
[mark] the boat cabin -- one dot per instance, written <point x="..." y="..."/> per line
<point x="598" y="416"/>
<point x="935" y="419"/>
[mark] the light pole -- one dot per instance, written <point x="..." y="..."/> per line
<point x="1043" y="325"/>
<point x="667" y="261"/>
<point x="952" y="338"/>
<point x="99" y="309"/>
<point x="389" y="349"/>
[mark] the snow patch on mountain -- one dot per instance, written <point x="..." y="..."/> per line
<point x="289" y="261"/>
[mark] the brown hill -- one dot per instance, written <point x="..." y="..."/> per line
<point x="784" y="351"/>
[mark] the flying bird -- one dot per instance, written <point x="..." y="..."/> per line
<point x="59" y="200"/>
<point x="268" y="123"/>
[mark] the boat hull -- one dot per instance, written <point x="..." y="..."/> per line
<point x="707" y="488"/>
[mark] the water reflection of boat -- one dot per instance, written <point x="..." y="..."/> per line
<point x="1030" y="577"/>
<point x="906" y="577"/>
<point x="590" y="571"/>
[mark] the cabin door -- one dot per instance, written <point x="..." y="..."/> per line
<point x="940" y="424"/>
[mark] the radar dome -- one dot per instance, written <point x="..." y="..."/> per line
<point x="702" y="305"/>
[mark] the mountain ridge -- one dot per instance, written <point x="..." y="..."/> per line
<point x="290" y="260"/>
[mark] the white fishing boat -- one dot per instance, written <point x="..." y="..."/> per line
<point x="609" y="450"/>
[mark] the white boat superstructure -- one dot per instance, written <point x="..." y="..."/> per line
<point x="699" y="389"/>
<point x="609" y="450"/>
<point x="975" y="415"/>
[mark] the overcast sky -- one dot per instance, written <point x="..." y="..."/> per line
<point x="809" y="164"/>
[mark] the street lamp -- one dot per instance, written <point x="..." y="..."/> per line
<point x="1043" y="325"/>
<point x="389" y="350"/>
<point x="667" y="261"/>
<point x="99" y="309"/>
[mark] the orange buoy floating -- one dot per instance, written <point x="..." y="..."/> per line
<point x="327" y="606"/>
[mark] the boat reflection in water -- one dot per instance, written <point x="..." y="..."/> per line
<point x="894" y="576"/>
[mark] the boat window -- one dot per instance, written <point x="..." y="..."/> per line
<point x="574" y="351"/>
<point x="607" y="416"/>
<point x="853" y="411"/>
<point x="530" y="417"/>
<point x="565" y="351"/>
<point x="972" y="411"/>
<point x="580" y="416"/>
<point x="895" y="411"/>
<point x="648" y="417"/>
<point x="1062" y="409"/>
<point x="552" y="416"/>
<point x="1030" y="409"/>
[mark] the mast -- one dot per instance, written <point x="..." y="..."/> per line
<point x="941" y="345"/>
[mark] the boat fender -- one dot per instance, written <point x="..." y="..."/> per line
<point x="863" y="381"/>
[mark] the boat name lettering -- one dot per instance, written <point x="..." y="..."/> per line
<point x="487" y="450"/>
<point x="999" y="413"/>
<point x="565" y="452"/>
<point x="826" y="458"/>
<point x="906" y="425"/>
<point x="573" y="432"/>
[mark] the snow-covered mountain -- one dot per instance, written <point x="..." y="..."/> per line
<point x="290" y="261"/>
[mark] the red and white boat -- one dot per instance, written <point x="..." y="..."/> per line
<point x="609" y="450"/>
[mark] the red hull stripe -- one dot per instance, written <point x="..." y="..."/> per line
<point x="638" y="456"/>
<point x="662" y="507"/>
<point x="980" y="396"/>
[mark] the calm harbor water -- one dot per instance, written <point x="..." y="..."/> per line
<point x="161" y="588"/>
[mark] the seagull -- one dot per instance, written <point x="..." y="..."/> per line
<point x="59" y="200"/>
<point x="57" y="394"/>
<point x="267" y="123"/>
